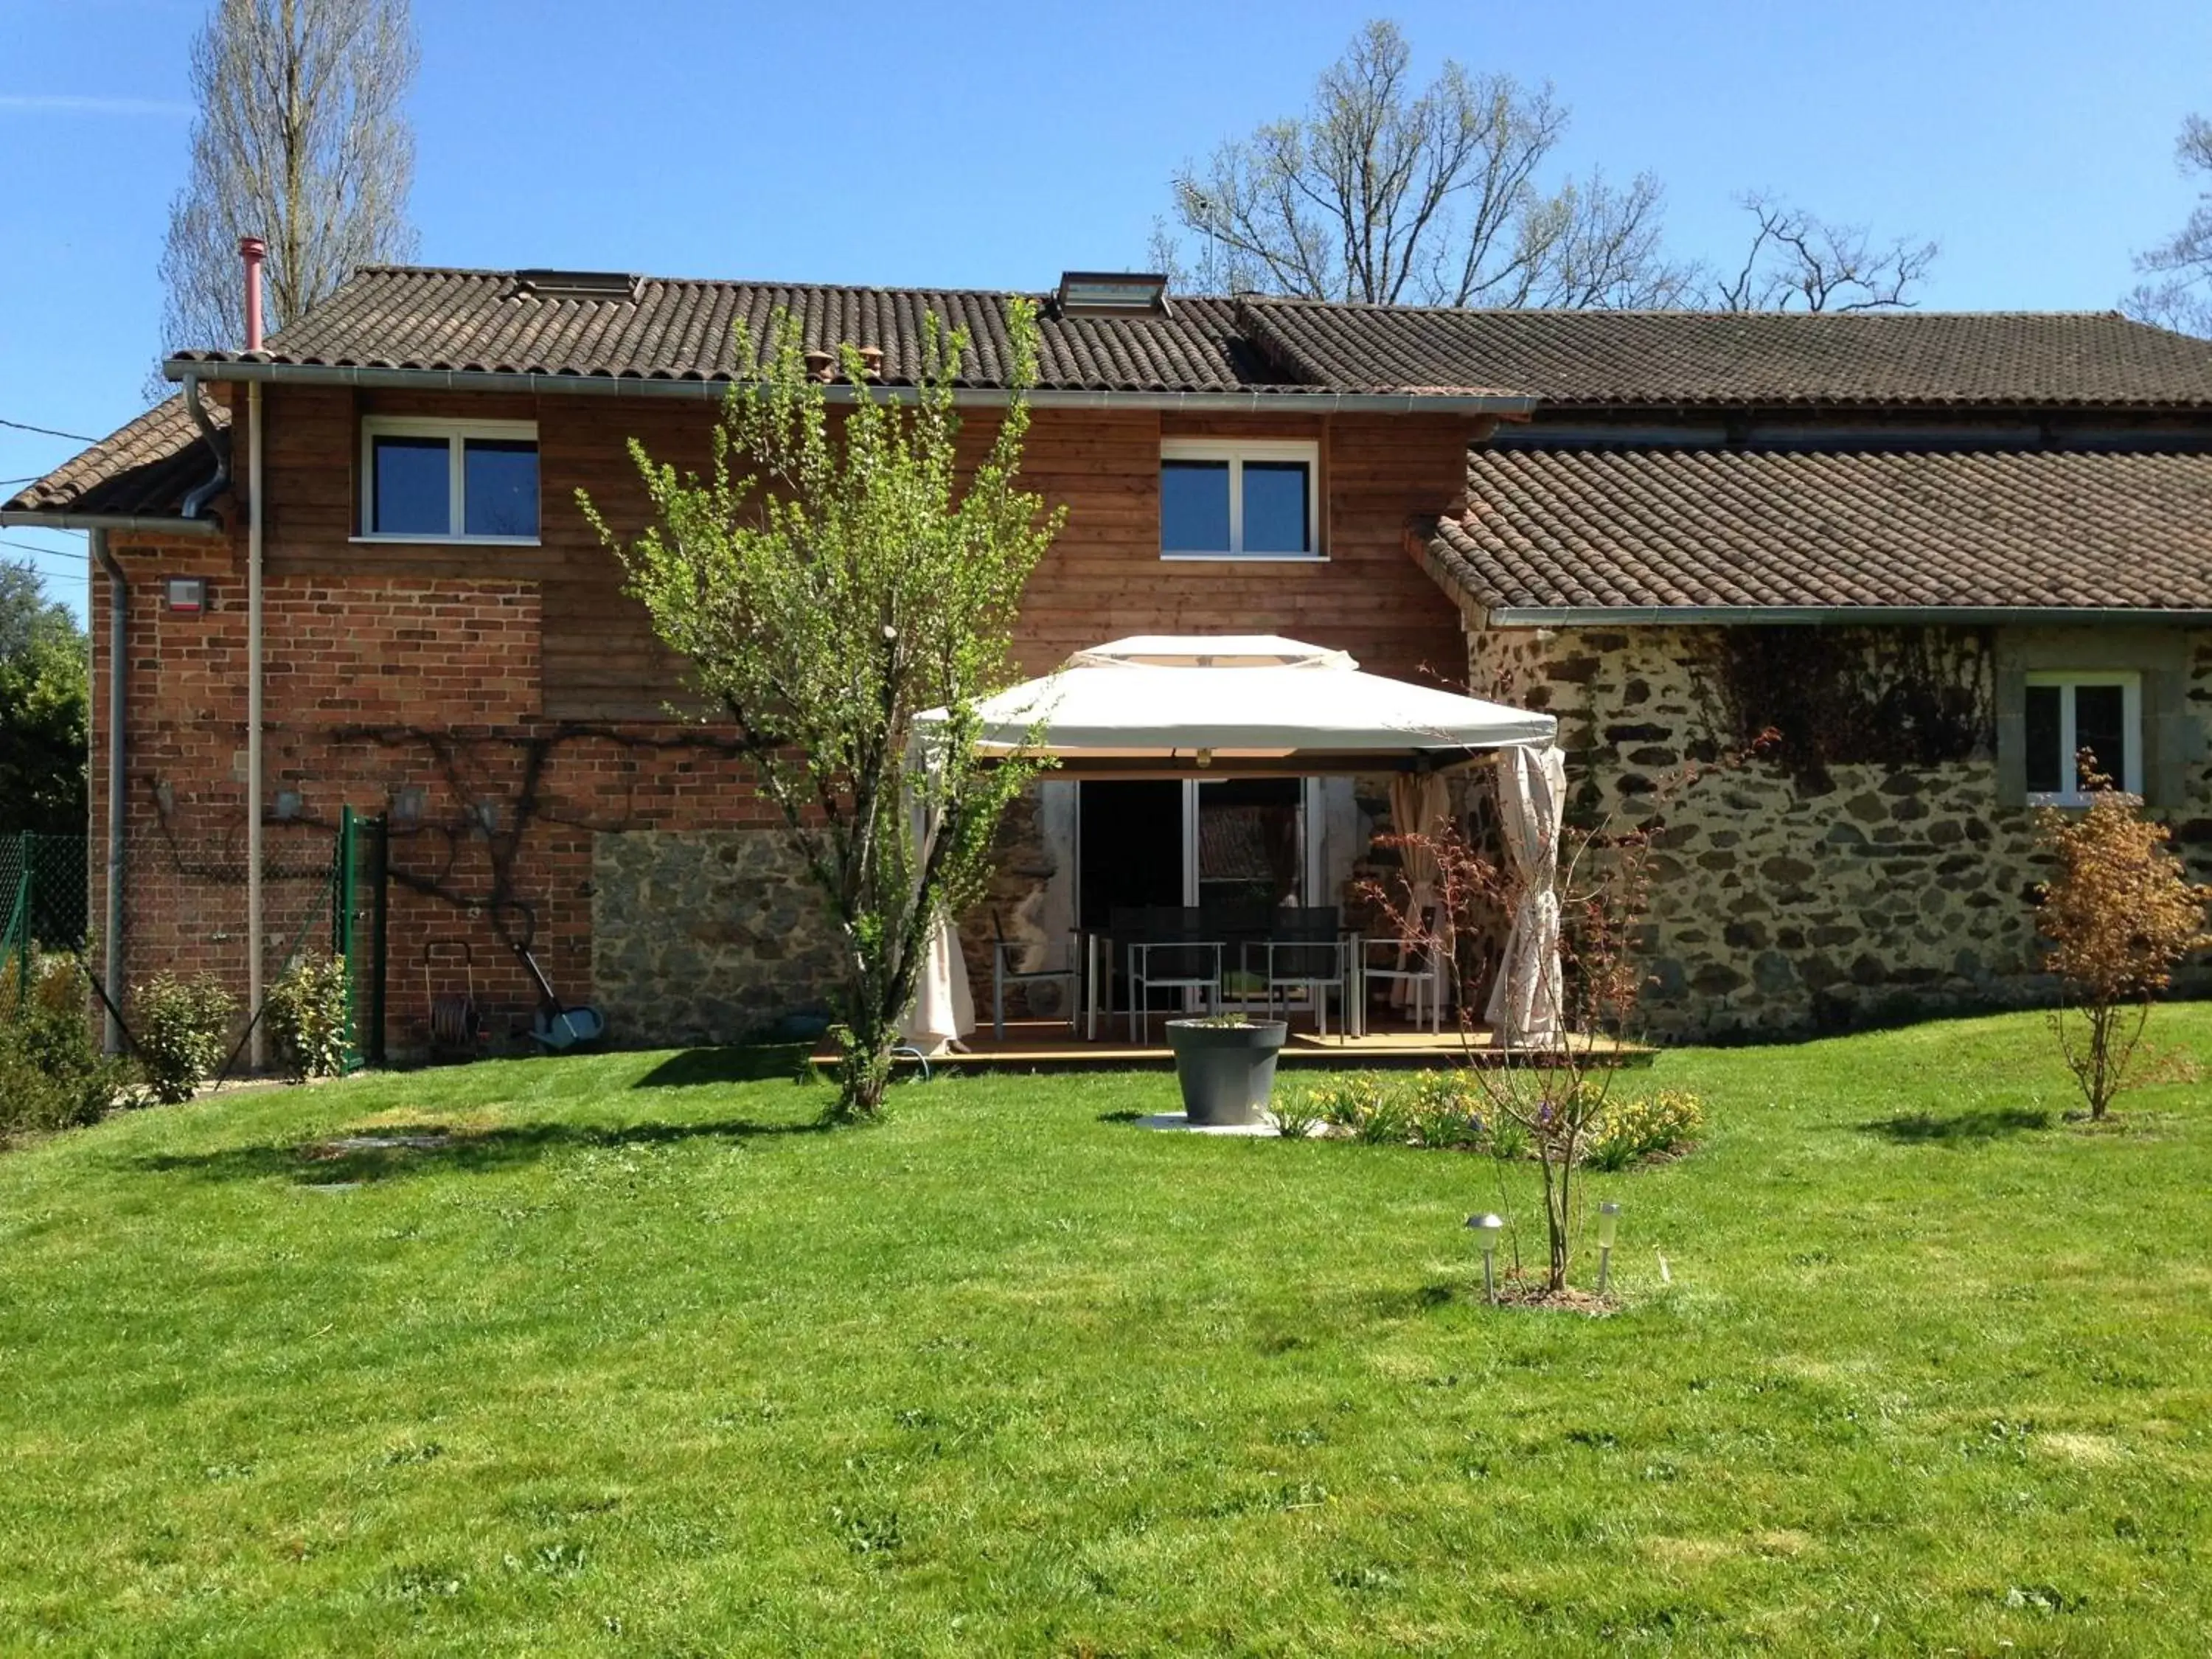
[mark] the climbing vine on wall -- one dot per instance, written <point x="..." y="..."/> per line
<point x="1807" y="699"/>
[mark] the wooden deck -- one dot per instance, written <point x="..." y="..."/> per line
<point x="1045" y="1045"/>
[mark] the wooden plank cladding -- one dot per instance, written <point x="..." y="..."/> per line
<point x="1104" y="578"/>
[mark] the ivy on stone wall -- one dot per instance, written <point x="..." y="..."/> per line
<point x="1807" y="699"/>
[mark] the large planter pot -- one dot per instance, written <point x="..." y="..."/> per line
<point x="1227" y="1072"/>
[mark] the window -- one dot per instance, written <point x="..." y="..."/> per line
<point x="2069" y="712"/>
<point x="1239" y="499"/>
<point x="449" y="480"/>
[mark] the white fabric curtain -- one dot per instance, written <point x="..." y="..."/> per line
<point x="1532" y="793"/>
<point x="944" y="1007"/>
<point x="1420" y="805"/>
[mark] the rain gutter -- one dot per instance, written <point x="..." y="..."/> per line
<point x="614" y="386"/>
<point x="146" y="523"/>
<point x="1762" y="616"/>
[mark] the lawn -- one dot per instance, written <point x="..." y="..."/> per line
<point x="643" y="1362"/>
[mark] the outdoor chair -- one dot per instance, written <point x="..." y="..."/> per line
<point x="1303" y="952"/>
<point x="1418" y="965"/>
<point x="1003" y="973"/>
<point x="1172" y="959"/>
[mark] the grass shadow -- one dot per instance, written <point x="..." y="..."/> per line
<point x="761" y="1062"/>
<point x="436" y="1150"/>
<point x="1957" y="1129"/>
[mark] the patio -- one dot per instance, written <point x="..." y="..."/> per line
<point x="1205" y="840"/>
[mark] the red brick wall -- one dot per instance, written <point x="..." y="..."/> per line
<point x="450" y="678"/>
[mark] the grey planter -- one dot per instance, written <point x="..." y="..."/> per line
<point x="1227" y="1072"/>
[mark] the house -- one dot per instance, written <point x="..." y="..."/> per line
<point x="1925" y="555"/>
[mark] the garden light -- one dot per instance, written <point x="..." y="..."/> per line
<point x="1608" y="1226"/>
<point x="1487" y="1227"/>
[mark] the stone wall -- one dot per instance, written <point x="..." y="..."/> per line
<point x="705" y="936"/>
<point x="1783" y="903"/>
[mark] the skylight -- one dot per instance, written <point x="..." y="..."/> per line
<point x="576" y="284"/>
<point x="1114" y="292"/>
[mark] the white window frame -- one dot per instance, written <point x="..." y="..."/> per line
<point x="2130" y="684"/>
<point x="1236" y="452"/>
<point x="455" y="431"/>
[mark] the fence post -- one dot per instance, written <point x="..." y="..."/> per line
<point x="25" y="892"/>
<point x="342" y="933"/>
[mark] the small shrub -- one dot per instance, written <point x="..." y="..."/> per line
<point x="1645" y="1126"/>
<point x="51" y="1075"/>
<point x="1294" y="1113"/>
<point x="308" y="1016"/>
<point x="181" y="1026"/>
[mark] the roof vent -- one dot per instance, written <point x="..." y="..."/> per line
<point x="1112" y="294"/>
<point x="577" y="285"/>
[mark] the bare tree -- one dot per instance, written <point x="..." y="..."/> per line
<point x="300" y="141"/>
<point x="1797" y="262"/>
<point x="2181" y="297"/>
<point x="1384" y="192"/>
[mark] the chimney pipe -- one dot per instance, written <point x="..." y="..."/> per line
<point x="252" y="250"/>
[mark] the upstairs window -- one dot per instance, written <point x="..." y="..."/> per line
<point x="449" y="480"/>
<point x="2068" y="713"/>
<point x="1239" y="499"/>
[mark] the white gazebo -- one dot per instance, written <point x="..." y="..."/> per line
<point x="1206" y="706"/>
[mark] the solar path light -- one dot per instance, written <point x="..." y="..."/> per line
<point x="1486" y="1228"/>
<point x="1608" y="1226"/>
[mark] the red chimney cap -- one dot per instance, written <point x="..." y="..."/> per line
<point x="253" y="246"/>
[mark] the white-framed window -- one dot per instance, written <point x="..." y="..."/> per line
<point x="2070" y="711"/>
<point x="1240" y="498"/>
<point x="426" y="480"/>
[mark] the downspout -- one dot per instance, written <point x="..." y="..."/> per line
<point x="202" y="494"/>
<point x="118" y="635"/>
<point x="250" y="249"/>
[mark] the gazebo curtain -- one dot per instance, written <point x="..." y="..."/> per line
<point x="1532" y="791"/>
<point x="943" y="1006"/>
<point x="1420" y="806"/>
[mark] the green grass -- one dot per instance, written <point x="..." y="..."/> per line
<point x="644" y="1363"/>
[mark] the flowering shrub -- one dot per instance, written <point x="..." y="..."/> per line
<point x="1443" y="1110"/>
<point x="1645" y="1126"/>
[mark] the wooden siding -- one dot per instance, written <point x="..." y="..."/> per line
<point x="1102" y="579"/>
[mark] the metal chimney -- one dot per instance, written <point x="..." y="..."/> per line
<point x="252" y="250"/>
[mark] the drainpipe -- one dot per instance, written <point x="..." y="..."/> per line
<point x="251" y="249"/>
<point x="118" y="635"/>
<point x="202" y="494"/>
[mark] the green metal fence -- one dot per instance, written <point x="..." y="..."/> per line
<point x="187" y="899"/>
<point x="43" y="894"/>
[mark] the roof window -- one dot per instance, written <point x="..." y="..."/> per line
<point x="1112" y="293"/>
<point x="577" y="285"/>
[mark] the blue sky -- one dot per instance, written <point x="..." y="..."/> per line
<point x="994" y="145"/>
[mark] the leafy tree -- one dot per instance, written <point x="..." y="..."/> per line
<point x="300" y="141"/>
<point x="2118" y="917"/>
<point x="44" y="710"/>
<point x="824" y="599"/>
<point x="2179" y="296"/>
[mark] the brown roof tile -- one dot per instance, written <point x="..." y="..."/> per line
<point x="1669" y="359"/>
<point x="146" y="469"/>
<point x="1552" y="529"/>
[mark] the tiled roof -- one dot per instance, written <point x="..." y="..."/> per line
<point x="1549" y="529"/>
<point x="1701" y="358"/>
<point x="411" y="317"/>
<point x="406" y="317"/>
<point x="146" y="469"/>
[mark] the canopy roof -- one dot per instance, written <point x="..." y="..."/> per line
<point x="1241" y="702"/>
